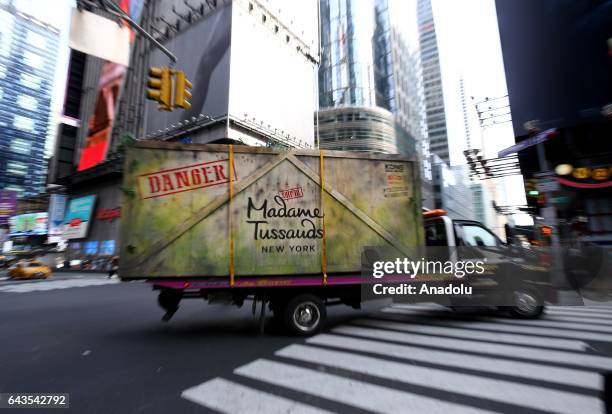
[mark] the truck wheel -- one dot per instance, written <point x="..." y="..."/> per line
<point x="527" y="304"/>
<point x="305" y="314"/>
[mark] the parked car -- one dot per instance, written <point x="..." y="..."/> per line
<point x="29" y="269"/>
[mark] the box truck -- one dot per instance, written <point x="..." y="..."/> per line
<point x="284" y="228"/>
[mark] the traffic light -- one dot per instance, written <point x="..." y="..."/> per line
<point x="160" y="83"/>
<point x="182" y="95"/>
<point x="531" y="188"/>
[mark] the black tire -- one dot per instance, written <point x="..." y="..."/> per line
<point x="304" y="315"/>
<point x="528" y="304"/>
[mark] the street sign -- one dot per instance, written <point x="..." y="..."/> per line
<point x="547" y="185"/>
<point x="529" y="142"/>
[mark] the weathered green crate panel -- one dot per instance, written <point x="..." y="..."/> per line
<point x="177" y="210"/>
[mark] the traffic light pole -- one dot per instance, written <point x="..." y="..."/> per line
<point x="116" y="10"/>
<point x="551" y="216"/>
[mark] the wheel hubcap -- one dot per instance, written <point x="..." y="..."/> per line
<point x="526" y="302"/>
<point x="306" y="316"/>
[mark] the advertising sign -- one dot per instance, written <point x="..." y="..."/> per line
<point x="204" y="52"/>
<point x="8" y="205"/>
<point x="33" y="224"/>
<point x="78" y="216"/>
<point x="101" y="121"/>
<point x="57" y="211"/>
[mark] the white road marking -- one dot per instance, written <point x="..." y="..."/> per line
<point x="509" y="392"/>
<point x="229" y="397"/>
<point x="583" y="309"/>
<point x="568" y="344"/>
<point x="55" y="284"/>
<point x="559" y="375"/>
<point x="348" y="391"/>
<point x="593" y="316"/>
<point x="548" y="323"/>
<point x="527" y="330"/>
<point x="545" y="355"/>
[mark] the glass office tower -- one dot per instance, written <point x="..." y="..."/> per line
<point x="28" y="54"/>
<point x="370" y="85"/>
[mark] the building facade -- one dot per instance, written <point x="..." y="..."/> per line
<point x="28" y="55"/>
<point x="370" y="90"/>
<point x="432" y="82"/>
<point x="452" y="191"/>
<point x="257" y="89"/>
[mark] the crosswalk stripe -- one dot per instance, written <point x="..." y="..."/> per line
<point x="55" y="284"/>
<point x="549" y="323"/>
<point x="527" y="330"/>
<point x="559" y="375"/>
<point x="594" y="320"/>
<point x="583" y="309"/>
<point x="229" y="397"/>
<point x="348" y="391"/>
<point x="529" y="396"/>
<point x="586" y="316"/>
<point x="567" y="344"/>
<point x="571" y="358"/>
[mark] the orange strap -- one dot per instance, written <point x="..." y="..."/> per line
<point x="229" y="217"/>
<point x="324" y="239"/>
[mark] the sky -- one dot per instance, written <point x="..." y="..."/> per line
<point x="468" y="38"/>
<point x="469" y="47"/>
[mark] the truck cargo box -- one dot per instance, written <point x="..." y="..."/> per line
<point x="234" y="211"/>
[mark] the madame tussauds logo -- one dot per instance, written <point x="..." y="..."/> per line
<point x="264" y="230"/>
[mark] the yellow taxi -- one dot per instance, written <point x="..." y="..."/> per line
<point x="29" y="269"/>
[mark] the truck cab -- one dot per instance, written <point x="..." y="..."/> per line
<point x="514" y="280"/>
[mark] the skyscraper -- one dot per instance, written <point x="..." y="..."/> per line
<point x="370" y="90"/>
<point x="432" y="82"/>
<point x="28" y="54"/>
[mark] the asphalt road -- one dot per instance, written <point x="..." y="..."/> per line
<point x="105" y="345"/>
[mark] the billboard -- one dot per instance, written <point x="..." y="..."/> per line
<point x="204" y="52"/>
<point x="557" y="60"/>
<point x="32" y="224"/>
<point x="101" y="121"/>
<point x="57" y="211"/>
<point x="272" y="81"/>
<point x="78" y="217"/>
<point x="8" y="205"/>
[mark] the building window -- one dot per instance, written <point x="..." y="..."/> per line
<point x="16" y="168"/>
<point x="34" y="60"/>
<point x="36" y="40"/>
<point x="27" y="102"/>
<point x="108" y="247"/>
<point x="20" y="146"/>
<point x="30" y="81"/>
<point x="263" y="18"/>
<point x="16" y="188"/>
<point x="1" y="94"/>
<point x="23" y="123"/>
<point x="91" y="247"/>
<point x="2" y="71"/>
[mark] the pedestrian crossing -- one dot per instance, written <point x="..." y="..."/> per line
<point x="46" y="285"/>
<point x="426" y="358"/>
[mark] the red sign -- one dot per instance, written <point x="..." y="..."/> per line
<point x="101" y="122"/>
<point x="178" y="180"/>
<point x="296" y="192"/>
<point x="108" y="213"/>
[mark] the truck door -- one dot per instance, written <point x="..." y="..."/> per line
<point x="475" y="242"/>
